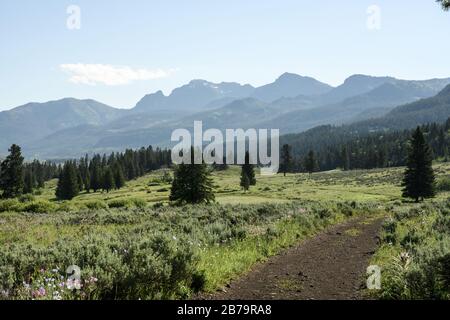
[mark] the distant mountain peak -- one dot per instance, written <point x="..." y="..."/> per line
<point x="288" y="76"/>
<point x="290" y="85"/>
<point x="358" y="78"/>
<point x="199" y="82"/>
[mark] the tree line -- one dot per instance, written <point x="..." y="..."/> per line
<point x="329" y="147"/>
<point x="342" y="148"/>
<point x="89" y="174"/>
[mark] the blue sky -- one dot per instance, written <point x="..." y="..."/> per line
<point x="146" y="45"/>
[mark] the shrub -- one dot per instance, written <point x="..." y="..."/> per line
<point x="429" y="277"/>
<point x="67" y="206"/>
<point x="158" y="205"/>
<point x="347" y="209"/>
<point x="410" y="240"/>
<point x="198" y="281"/>
<point x="119" y="203"/>
<point x="389" y="231"/>
<point x="138" y="202"/>
<point x="96" y="205"/>
<point x="39" y="206"/>
<point x="324" y="213"/>
<point x="152" y="267"/>
<point x="442" y="224"/>
<point x="26" y="198"/>
<point x="12" y="205"/>
<point x="443" y="184"/>
<point x="128" y="203"/>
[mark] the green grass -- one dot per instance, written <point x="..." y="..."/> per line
<point x="215" y="232"/>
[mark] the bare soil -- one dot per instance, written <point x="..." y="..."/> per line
<point x="329" y="266"/>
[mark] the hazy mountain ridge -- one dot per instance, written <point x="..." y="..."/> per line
<point x="37" y="120"/>
<point x="294" y="104"/>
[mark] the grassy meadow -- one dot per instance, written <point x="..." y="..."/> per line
<point x="130" y="243"/>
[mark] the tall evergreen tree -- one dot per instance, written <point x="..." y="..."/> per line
<point x="67" y="187"/>
<point x="87" y="181"/>
<point x="419" y="180"/>
<point x="29" y="182"/>
<point x="287" y="159"/>
<point x="119" y="178"/>
<point x="192" y="183"/>
<point x="245" y="181"/>
<point x="249" y="170"/>
<point x="311" y="164"/>
<point x="96" y="177"/>
<point x="11" y="173"/>
<point x="345" y="158"/>
<point x="108" y="180"/>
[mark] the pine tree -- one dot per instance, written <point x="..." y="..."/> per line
<point x="108" y="180"/>
<point x="249" y="169"/>
<point x="87" y="181"/>
<point x="287" y="158"/>
<point x="79" y="179"/>
<point x="67" y="187"/>
<point x="96" y="177"/>
<point x="192" y="183"/>
<point x="119" y="178"/>
<point x="419" y="180"/>
<point x="28" y="182"/>
<point x="245" y="181"/>
<point x="345" y="158"/>
<point x="11" y="173"/>
<point x="311" y="164"/>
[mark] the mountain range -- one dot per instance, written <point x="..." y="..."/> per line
<point x="292" y="103"/>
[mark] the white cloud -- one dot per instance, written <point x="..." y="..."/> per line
<point x="92" y="74"/>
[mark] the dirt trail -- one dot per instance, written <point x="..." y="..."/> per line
<point x="331" y="265"/>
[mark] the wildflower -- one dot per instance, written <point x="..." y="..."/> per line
<point x="42" y="291"/>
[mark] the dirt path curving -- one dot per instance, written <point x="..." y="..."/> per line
<point x="331" y="265"/>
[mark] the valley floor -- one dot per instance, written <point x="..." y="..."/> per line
<point x="293" y="237"/>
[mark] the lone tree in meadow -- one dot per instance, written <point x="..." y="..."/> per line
<point x="419" y="181"/>
<point x="286" y="156"/>
<point x="245" y="181"/>
<point x="192" y="183"/>
<point x="248" y="169"/>
<point x="67" y="187"/>
<point x="311" y="164"/>
<point x="11" y="173"/>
